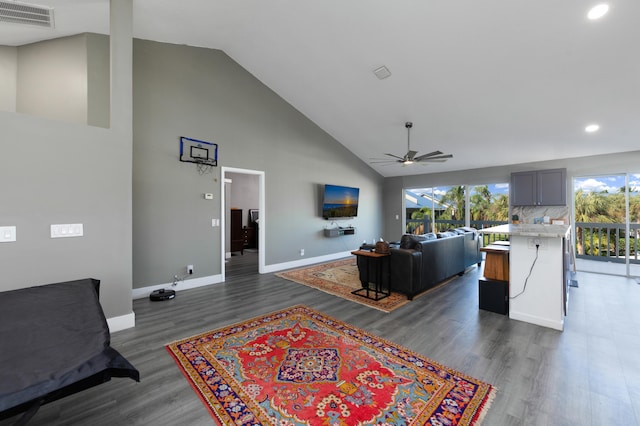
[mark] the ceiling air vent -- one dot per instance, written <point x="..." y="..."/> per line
<point x="24" y="13"/>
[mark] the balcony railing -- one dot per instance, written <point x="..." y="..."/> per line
<point x="423" y="226"/>
<point x="606" y="241"/>
<point x="594" y="241"/>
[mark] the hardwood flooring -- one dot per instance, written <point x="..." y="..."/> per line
<point x="587" y="375"/>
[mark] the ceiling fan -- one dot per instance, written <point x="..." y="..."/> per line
<point x="410" y="156"/>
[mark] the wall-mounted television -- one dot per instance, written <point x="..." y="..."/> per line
<point x="340" y="202"/>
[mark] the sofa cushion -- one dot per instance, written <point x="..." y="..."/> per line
<point x="465" y="229"/>
<point x="446" y="234"/>
<point x="409" y="241"/>
<point x="468" y="230"/>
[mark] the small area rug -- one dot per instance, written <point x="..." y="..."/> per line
<point x="298" y="366"/>
<point x="340" y="278"/>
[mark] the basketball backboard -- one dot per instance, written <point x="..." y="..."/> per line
<point x="199" y="152"/>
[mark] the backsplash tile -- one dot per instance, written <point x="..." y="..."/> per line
<point x="526" y="214"/>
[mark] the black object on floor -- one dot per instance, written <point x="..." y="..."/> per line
<point x="162" y="294"/>
<point x="493" y="295"/>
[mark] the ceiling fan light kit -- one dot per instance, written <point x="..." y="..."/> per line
<point x="410" y="157"/>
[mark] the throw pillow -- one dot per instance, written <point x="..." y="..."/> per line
<point x="409" y="241"/>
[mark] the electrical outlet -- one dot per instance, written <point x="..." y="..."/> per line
<point x="540" y="242"/>
<point x="7" y="234"/>
<point x="301" y="252"/>
<point x="189" y="269"/>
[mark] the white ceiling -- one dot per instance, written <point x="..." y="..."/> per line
<point x="492" y="82"/>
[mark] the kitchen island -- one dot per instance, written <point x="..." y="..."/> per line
<point x="538" y="264"/>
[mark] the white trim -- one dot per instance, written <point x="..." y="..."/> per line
<point x="307" y="261"/>
<point x="261" y="208"/>
<point x="141" y="293"/>
<point x="122" y="322"/>
<point x="544" y="322"/>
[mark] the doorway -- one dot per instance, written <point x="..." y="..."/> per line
<point x="225" y="203"/>
<point x="607" y="226"/>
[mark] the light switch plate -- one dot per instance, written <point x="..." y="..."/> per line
<point x="7" y="234"/>
<point x="67" y="230"/>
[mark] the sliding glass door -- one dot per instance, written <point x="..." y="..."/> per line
<point x="607" y="226"/>
<point x="440" y="208"/>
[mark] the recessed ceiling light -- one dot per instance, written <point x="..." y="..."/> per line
<point x="591" y="128"/>
<point x="598" y="11"/>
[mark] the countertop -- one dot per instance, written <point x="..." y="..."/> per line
<point x="530" y="230"/>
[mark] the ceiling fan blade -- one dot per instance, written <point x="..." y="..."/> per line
<point x="389" y="163"/>
<point x="383" y="160"/>
<point x="410" y="155"/>
<point x="431" y="154"/>
<point x="439" y="159"/>
<point x="394" y="156"/>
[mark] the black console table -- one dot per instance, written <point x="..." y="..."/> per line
<point x="374" y="269"/>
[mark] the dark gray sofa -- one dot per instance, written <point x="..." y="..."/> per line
<point x="420" y="262"/>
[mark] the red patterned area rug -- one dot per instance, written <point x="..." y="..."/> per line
<point x="301" y="367"/>
<point x="340" y="278"/>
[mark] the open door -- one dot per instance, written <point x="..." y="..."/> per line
<point x="226" y="205"/>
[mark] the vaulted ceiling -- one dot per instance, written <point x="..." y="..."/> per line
<point x="493" y="82"/>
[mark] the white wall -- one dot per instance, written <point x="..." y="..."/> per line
<point x="8" y="78"/>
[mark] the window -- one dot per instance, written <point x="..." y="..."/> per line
<point x="437" y="209"/>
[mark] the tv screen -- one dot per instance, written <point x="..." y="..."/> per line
<point x="340" y="201"/>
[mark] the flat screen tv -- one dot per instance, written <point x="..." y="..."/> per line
<point x="340" y="202"/>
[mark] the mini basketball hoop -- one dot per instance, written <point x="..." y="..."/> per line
<point x="203" y="154"/>
<point x="204" y="166"/>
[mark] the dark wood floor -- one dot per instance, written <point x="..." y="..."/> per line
<point x="587" y="375"/>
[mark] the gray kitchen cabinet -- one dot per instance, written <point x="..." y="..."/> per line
<point x="539" y="188"/>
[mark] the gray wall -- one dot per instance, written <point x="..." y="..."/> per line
<point x="61" y="172"/>
<point x="203" y="94"/>
<point x="8" y="78"/>
<point x="62" y="79"/>
<point x="243" y="194"/>
<point x="98" y="76"/>
<point x="576" y="167"/>
<point x="52" y="79"/>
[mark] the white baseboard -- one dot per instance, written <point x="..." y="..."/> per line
<point x="544" y="322"/>
<point x="305" y="262"/>
<point x="122" y="322"/>
<point x="187" y="284"/>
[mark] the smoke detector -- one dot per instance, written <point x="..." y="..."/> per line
<point x="16" y="12"/>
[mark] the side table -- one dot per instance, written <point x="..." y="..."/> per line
<point x="381" y="264"/>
